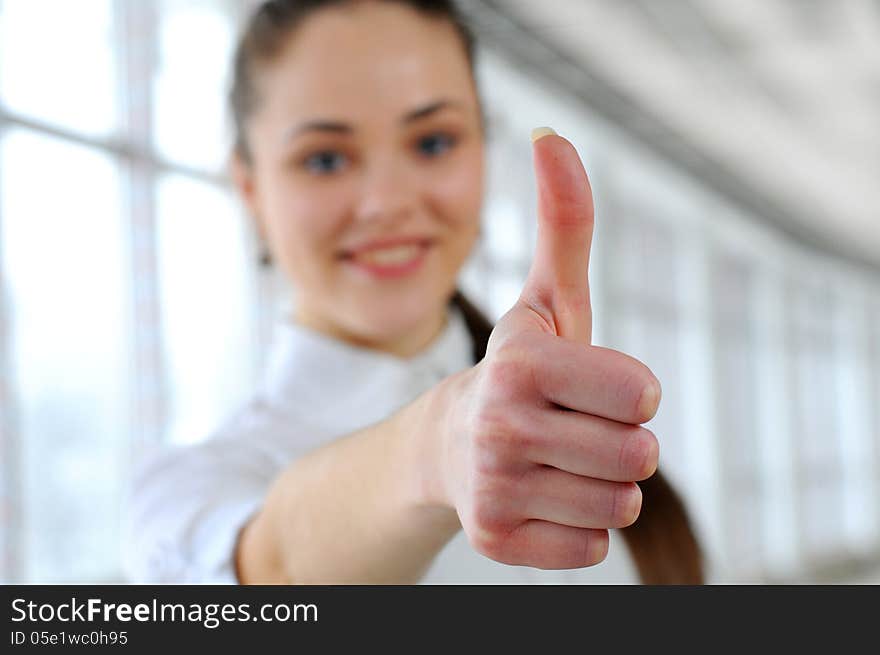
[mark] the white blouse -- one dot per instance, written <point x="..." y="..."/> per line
<point x="189" y="503"/>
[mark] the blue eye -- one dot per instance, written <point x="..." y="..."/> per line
<point x="435" y="144"/>
<point x="325" y="162"/>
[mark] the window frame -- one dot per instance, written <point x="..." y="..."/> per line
<point x="130" y="147"/>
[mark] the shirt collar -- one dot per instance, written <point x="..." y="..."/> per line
<point x="339" y="384"/>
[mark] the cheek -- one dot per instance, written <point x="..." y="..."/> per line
<point x="306" y="221"/>
<point x="457" y="194"/>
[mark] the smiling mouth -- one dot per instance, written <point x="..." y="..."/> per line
<point x="392" y="261"/>
<point x="393" y="256"/>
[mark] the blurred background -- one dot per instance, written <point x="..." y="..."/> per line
<point x="734" y="149"/>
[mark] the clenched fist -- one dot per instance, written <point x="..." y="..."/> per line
<point x="541" y="443"/>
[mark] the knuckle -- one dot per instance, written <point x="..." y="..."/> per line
<point x="484" y="543"/>
<point x="489" y="531"/>
<point x="510" y="370"/>
<point x="493" y="502"/>
<point x="507" y="431"/>
<point x="488" y="519"/>
<point x="487" y="425"/>
<point x="494" y="439"/>
<point x="502" y="374"/>
<point x="494" y="549"/>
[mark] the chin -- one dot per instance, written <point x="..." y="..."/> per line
<point x="387" y="317"/>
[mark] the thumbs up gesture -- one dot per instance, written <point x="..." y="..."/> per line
<point x="542" y="447"/>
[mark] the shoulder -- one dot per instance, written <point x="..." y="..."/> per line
<point x="253" y="435"/>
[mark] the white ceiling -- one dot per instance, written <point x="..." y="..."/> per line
<point x="783" y="94"/>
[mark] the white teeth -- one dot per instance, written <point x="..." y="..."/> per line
<point x="390" y="256"/>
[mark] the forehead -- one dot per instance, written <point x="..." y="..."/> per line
<point x="369" y="59"/>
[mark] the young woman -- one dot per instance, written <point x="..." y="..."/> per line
<point x="394" y="421"/>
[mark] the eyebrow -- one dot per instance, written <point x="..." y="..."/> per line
<point x="337" y="127"/>
<point x="430" y="109"/>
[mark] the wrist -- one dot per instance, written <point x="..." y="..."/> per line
<point x="427" y="424"/>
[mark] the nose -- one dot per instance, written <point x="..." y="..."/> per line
<point x="388" y="191"/>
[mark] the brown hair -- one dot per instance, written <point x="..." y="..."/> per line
<point x="266" y="34"/>
<point x="661" y="541"/>
<point x="268" y="30"/>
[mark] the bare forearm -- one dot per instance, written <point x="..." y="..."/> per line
<point x="357" y="511"/>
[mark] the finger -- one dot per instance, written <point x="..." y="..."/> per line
<point x="592" y="446"/>
<point x="595" y="380"/>
<point x="579" y="502"/>
<point x="546" y="545"/>
<point x="557" y="285"/>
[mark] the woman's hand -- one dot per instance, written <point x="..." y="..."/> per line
<point x="535" y="451"/>
<point x="540" y="445"/>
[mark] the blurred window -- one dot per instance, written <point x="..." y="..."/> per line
<point x="57" y="63"/>
<point x="63" y="249"/>
<point x="127" y="267"/>
<point x="132" y="313"/>
<point x="206" y="310"/>
<point x="190" y="82"/>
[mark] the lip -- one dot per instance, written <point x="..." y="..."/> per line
<point x="386" y="271"/>
<point x="386" y="243"/>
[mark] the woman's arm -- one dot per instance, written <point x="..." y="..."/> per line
<point x="361" y="510"/>
<point x="538" y="447"/>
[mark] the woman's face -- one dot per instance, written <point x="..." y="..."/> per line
<point x="368" y="131"/>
